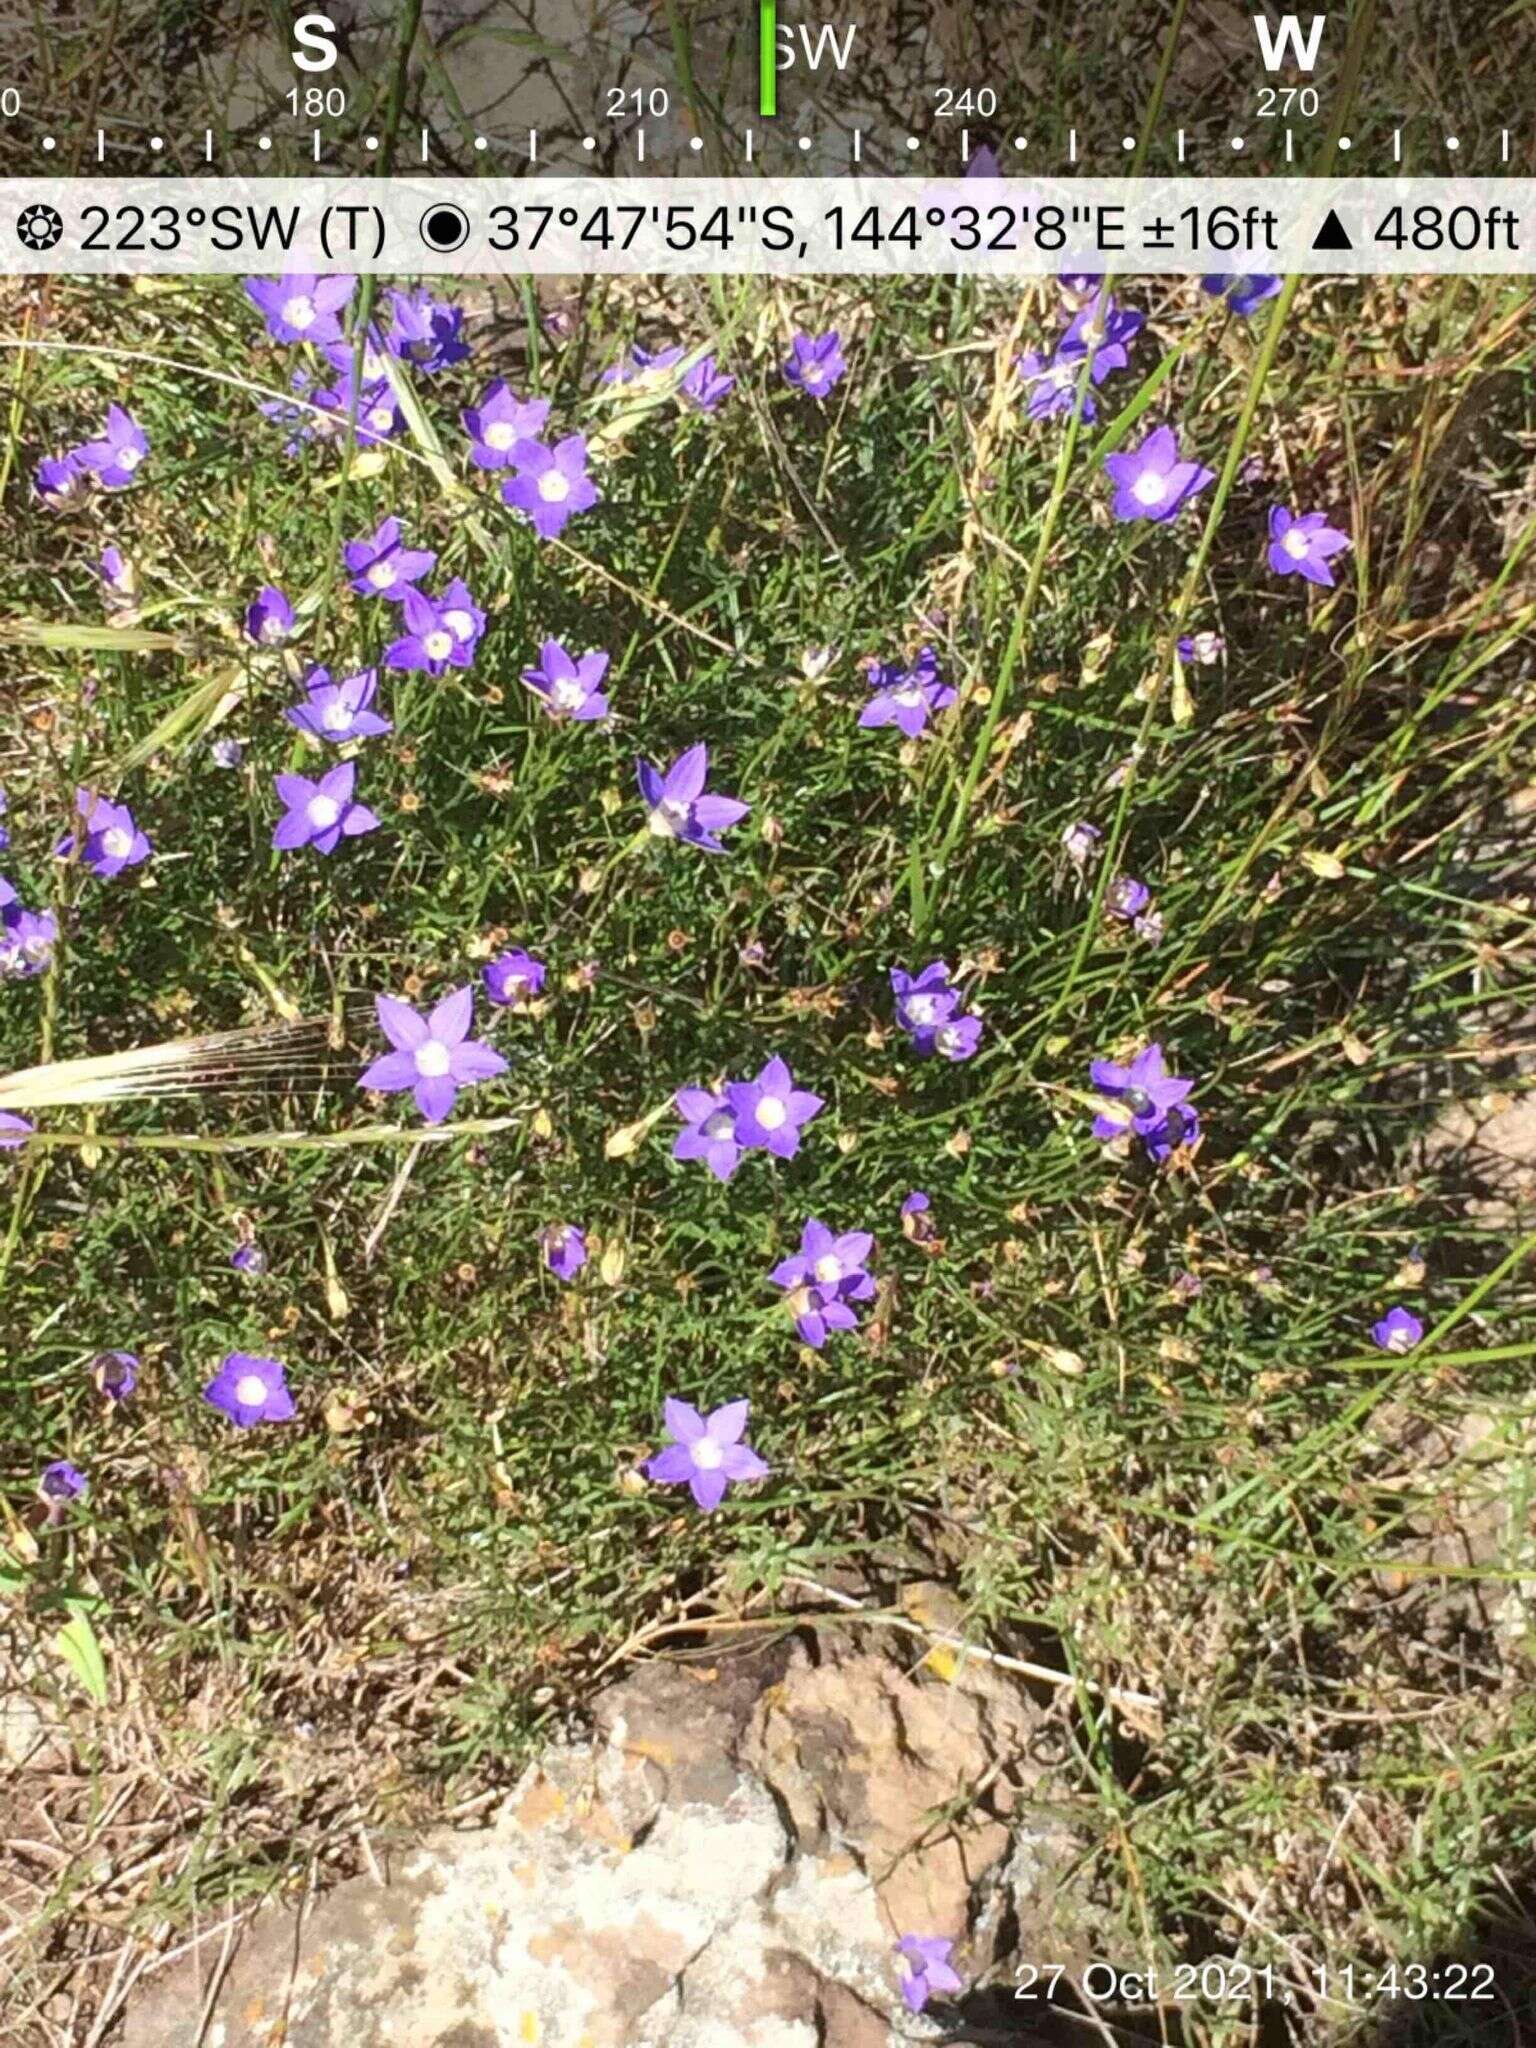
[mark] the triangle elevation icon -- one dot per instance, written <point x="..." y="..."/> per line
<point x="1332" y="235"/>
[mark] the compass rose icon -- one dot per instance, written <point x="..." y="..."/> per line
<point x="39" y="227"/>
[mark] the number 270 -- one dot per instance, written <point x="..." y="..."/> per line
<point x="1279" y="102"/>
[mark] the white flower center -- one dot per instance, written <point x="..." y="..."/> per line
<point x="272" y="630"/>
<point x="129" y="458"/>
<point x="1400" y="1340"/>
<point x="707" y="1455"/>
<point x="921" y="1009"/>
<point x="299" y="312"/>
<point x="815" y="373"/>
<point x="322" y="812"/>
<point x="437" y="644"/>
<point x="337" y="717"/>
<point x="908" y="695"/>
<point x="460" y="624"/>
<point x="773" y="1112"/>
<point x="1150" y="488"/>
<point x="554" y="487"/>
<point x="1295" y="544"/>
<point x="251" y="1391"/>
<point x="829" y="1269"/>
<point x="432" y="1059"/>
<point x="116" y="843"/>
<point x="381" y="418"/>
<point x="381" y="575"/>
<point x="668" y="818"/>
<point x="568" y="693"/>
<point x="948" y="1038"/>
<point x="720" y="1123"/>
<point x="500" y="435"/>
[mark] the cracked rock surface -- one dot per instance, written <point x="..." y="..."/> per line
<point x="725" y="1862"/>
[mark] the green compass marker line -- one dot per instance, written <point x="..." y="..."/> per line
<point x="767" y="40"/>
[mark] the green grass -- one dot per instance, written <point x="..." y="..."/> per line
<point x="382" y="1608"/>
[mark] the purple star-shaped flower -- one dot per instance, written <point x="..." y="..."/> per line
<point x="706" y="1453"/>
<point x="641" y="363"/>
<point x="426" y="331"/>
<point x="1304" y="545"/>
<point x="116" y="1374"/>
<point x="499" y="422"/>
<point x="269" y="617"/>
<point x="1179" y="1129"/>
<point x="321" y="814"/>
<point x="924" y="1000"/>
<point x="301" y="307"/>
<point x="115" y="458"/>
<point x="1243" y="294"/>
<point x="339" y="711"/>
<point x="433" y="1056"/>
<point x="677" y="806"/>
<point x="513" y="979"/>
<point x="1145" y="1097"/>
<point x="907" y="698"/>
<point x="815" y="363"/>
<point x="565" y="1249"/>
<point x="250" y="1390"/>
<point x="1112" y="327"/>
<point x="551" y="484"/>
<point x="1151" y="482"/>
<point x="1398" y="1331"/>
<point x="704" y="385"/>
<point x="112" y="840"/>
<point x="61" y="1483"/>
<point x="62" y="481"/>
<point x="771" y="1110"/>
<point x="383" y="566"/>
<point x="956" y="1039"/>
<point x="1052" y="384"/>
<point x="823" y="1277"/>
<point x="925" y="1968"/>
<point x="376" y="416"/>
<point x="571" y="687"/>
<point x="428" y="642"/>
<point x="27" y="940"/>
<point x="250" y="1259"/>
<point x="709" y="1131"/>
